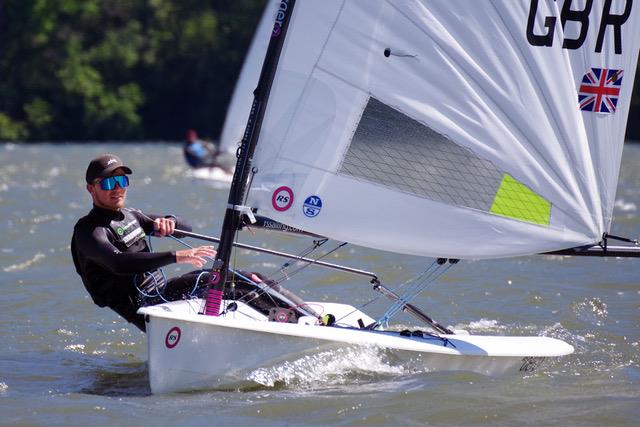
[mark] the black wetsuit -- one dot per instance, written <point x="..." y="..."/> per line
<point x="111" y="255"/>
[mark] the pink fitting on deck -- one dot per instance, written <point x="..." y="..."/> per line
<point x="214" y="298"/>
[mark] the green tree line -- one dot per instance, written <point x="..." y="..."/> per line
<point x="74" y="70"/>
<point x="77" y="70"/>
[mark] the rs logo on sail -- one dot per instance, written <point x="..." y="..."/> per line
<point x="282" y="198"/>
<point x="581" y="18"/>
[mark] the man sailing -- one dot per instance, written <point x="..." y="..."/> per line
<point x="112" y="256"/>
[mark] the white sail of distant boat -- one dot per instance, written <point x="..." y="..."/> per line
<point x="407" y="126"/>
<point x="220" y="176"/>
<point x="240" y="105"/>
<point x="448" y="129"/>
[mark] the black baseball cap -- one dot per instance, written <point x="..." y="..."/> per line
<point x="103" y="166"/>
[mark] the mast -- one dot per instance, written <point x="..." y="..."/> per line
<point x="237" y="192"/>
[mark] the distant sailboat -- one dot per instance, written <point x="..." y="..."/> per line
<point x="240" y="105"/>
<point x="455" y="130"/>
<point x="239" y="108"/>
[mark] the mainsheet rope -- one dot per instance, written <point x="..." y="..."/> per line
<point x="417" y="284"/>
<point x="409" y="295"/>
<point x="430" y="275"/>
<point x="262" y="288"/>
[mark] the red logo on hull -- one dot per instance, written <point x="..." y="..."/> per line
<point x="173" y="337"/>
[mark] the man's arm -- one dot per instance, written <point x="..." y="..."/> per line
<point x="165" y="226"/>
<point x="156" y="223"/>
<point x="95" y="245"/>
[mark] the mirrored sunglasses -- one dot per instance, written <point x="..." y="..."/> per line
<point x="110" y="183"/>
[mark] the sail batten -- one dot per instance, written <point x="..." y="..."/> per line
<point x="395" y="126"/>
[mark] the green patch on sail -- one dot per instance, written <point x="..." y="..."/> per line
<point x="515" y="200"/>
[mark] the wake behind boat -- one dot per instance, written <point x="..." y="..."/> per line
<point x="392" y="126"/>
<point x="219" y="177"/>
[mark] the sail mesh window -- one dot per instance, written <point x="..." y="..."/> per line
<point x="392" y="149"/>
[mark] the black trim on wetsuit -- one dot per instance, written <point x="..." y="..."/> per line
<point x="108" y="266"/>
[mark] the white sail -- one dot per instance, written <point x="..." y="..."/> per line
<point x="240" y="104"/>
<point x="449" y="128"/>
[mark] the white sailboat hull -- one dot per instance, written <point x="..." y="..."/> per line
<point x="188" y="351"/>
<point x="214" y="174"/>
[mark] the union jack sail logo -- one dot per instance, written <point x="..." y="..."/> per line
<point x="599" y="90"/>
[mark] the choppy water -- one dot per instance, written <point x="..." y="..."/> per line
<point x="63" y="361"/>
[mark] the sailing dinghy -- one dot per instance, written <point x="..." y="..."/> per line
<point x="453" y="130"/>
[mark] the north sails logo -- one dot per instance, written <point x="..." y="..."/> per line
<point x="111" y="161"/>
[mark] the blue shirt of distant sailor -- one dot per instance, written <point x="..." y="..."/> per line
<point x="199" y="154"/>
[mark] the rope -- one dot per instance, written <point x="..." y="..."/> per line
<point x="305" y="253"/>
<point x="420" y="282"/>
<point x="262" y="288"/>
<point x="195" y="286"/>
<point x="256" y="284"/>
<point x="417" y="285"/>
<point x="157" y="287"/>
<point x="431" y="274"/>
<point x="394" y="290"/>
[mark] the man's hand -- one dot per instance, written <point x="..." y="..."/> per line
<point x="196" y="256"/>
<point x="163" y="226"/>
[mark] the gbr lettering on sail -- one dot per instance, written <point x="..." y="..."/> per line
<point x="607" y="22"/>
